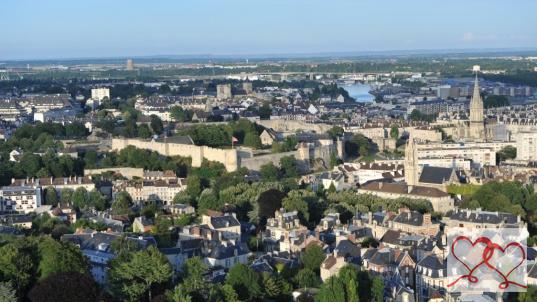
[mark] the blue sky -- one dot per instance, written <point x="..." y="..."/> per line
<point x="82" y="28"/>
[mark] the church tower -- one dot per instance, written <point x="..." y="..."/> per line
<point x="411" y="162"/>
<point x="477" y="121"/>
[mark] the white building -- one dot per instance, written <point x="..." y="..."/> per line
<point x="526" y="146"/>
<point x="100" y="93"/>
<point x="24" y="199"/>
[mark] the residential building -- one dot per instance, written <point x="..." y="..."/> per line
<point x="284" y="228"/>
<point x="479" y="219"/>
<point x="22" y="199"/>
<point x="97" y="247"/>
<point x="431" y="278"/>
<point x="440" y="200"/>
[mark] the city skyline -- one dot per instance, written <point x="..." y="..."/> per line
<point x="61" y="29"/>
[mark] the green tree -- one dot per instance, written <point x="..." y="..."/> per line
<point x="66" y="286"/>
<point x="332" y="290"/>
<point x="193" y="186"/>
<point x="58" y="257"/>
<point x="377" y="289"/>
<point x="18" y="264"/>
<point x="244" y="281"/>
<point x="178" y="295"/>
<point x="156" y="124"/>
<point x="144" y="131"/>
<point x="7" y="292"/>
<point x="265" y="111"/>
<point x="312" y="257"/>
<point x="394" y="132"/>
<point x="194" y="283"/>
<point x="123" y="203"/>
<point x="80" y="198"/>
<point x="269" y="172"/>
<point x="179" y="115"/>
<point x="507" y="152"/>
<point x="288" y="166"/>
<point x="136" y="278"/>
<point x="51" y="197"/>
<point x="251" y="139"/>
<point x="307" y="278"/>
<point x="335" y="132"/>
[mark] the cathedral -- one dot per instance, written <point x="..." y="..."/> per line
<point x="476" y="125"/>
<point x="477" y="128"/>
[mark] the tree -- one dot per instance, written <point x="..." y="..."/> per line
<point x="269" y="201"/>
<point x="507" y="152"/>
<point x="122" y="204"/>
<point x="493" y="101"/>
<point x="178" y="295"/>
<point x="251" y="139"/>
<point x="156" y="124"/>
<point x="265" y="111"/>
<point x="59" y="257"/>
<point x="144" y="131"/>
<point x="288" y="166"/>
<point x="18" y="264"/>
<point x="193" y="186"/>
<point x="97" y="200"/>
<point x="359" y="145"/>
<point x="194" y="283"/>
<point x="223" y="293"/>
<point x="136" y="277"/>
<point x="529" y="296"/>
<point x="51" y="196"/>
<point x="378" y="289"/>
<point x="7" y="292"/>
<point x="335" y="132"/>
<point x="244" y="281"/>
<point x="394" y="132"/>
<point x="80" y="198"/>
<point x="66" y="286"/>
<point x="179" y="115"/>
<point x="307" y="278"/>
<point x="269" y="172"/>
<point x="332" y="290"/>
<point x="312" y="257"/>
<point x="208" y="201"/>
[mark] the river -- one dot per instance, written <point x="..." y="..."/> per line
<point x="359" y="91"/>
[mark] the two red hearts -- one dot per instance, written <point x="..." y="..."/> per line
<point x="488" y="253"/>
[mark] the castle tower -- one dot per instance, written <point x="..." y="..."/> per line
<point x="411" y="163"/>
<point x="477" y="121"/>
<point x="340" y="146"/>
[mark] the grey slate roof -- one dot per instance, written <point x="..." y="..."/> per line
<point x="224" y="221"/>
<point x="435" y="175"/>
<point x="412" y="217"/>
<point x="484" y="217"/>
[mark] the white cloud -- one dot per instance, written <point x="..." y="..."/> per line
<point x="468" y="36"/>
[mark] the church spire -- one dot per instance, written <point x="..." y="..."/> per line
<point x="476" y="104"/>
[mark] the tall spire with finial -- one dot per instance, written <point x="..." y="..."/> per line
<point x="477" y="120"/>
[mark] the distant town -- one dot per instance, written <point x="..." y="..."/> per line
<point x="264" y="179"/>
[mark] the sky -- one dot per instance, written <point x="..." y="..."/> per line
<point x="128" y="28"/>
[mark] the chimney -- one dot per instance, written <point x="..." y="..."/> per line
<point x="427" y="219"/>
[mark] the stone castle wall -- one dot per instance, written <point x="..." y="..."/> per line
<point x="282" y="125"/>
<point x="228" y="157"/>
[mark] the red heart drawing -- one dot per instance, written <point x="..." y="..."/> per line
<point x="487" y="255"/>
<point x="471" y="278"/>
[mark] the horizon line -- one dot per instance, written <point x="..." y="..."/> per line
<point x="289" y="55"/>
